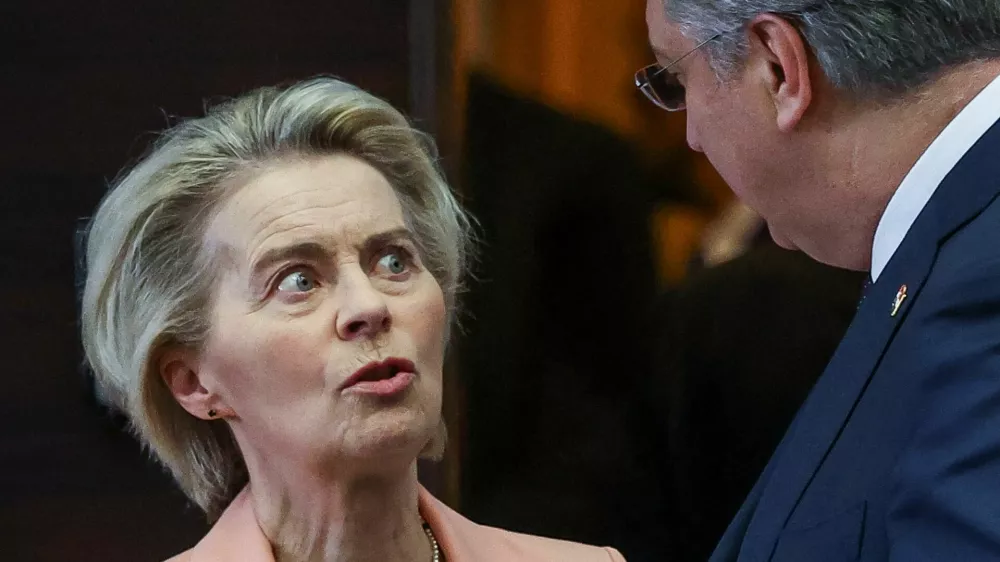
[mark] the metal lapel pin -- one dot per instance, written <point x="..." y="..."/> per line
<point x="898" y="302"/>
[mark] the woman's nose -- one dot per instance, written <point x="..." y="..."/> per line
<point x="364" y="312"/>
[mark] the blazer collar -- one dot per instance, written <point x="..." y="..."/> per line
<point x="236" y="536"/>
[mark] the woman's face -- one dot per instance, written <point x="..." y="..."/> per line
<point x="328" y="332"/>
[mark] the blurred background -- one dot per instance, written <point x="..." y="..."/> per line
<point x="634" y="345"/>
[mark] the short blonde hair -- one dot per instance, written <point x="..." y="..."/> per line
<point x="148" y="284"/>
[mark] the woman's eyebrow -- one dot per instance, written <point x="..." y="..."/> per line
<point x="311" y="250"/>
<point x="384" y="238"/>
<point x="306" y="250"/>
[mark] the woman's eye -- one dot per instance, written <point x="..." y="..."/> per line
<point x="394" y="263"/>
<point x="297" y="282"/>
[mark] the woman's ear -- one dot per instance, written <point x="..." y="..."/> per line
<point x="179" y="370"/>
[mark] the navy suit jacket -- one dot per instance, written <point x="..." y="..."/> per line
<point x="895" y="454"/>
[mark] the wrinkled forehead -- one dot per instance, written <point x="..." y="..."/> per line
<point x="336" y="199"/>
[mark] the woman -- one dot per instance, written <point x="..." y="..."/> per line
<point x="268" y="299"/>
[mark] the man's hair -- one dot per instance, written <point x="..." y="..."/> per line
<point x="149" y="279"/>
<point x="876" y="49"/>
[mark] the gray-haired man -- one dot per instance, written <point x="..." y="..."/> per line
<point x="864" y="132"/>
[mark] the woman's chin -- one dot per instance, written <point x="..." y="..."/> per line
<point x="387" y="437"/>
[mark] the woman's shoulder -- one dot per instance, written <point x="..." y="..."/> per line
<point x="182" y="557"/>
<point x="532" y="547"/>
<point x="235" y="536"/>
<point x="463" y="541"/>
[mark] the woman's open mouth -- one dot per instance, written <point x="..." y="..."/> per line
<point x="382" y="378"/>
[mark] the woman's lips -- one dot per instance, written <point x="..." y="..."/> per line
<point x="382" y="378"/>
<point x="383" y="387"/>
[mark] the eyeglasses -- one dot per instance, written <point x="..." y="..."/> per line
<point x="662" y="87"/>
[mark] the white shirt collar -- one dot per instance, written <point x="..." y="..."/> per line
<point x="930" y="170"/>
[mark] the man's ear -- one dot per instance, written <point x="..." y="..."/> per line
<point x="179" y="370"/>
<point x="780" y="58"/>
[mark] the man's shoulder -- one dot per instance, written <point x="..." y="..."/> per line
<point x="970" y="258"/>
<point x="985" y="223"/>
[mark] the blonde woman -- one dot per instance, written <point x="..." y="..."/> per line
<point x="268" y="299"/>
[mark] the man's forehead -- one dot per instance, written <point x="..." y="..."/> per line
<point x="664" y="36"/>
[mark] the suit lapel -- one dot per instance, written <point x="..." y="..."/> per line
<point x="832" y="400"/>
<point x="962" y="195"/>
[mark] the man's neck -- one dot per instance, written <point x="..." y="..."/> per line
<point x="879" y="146"/>
<point x="344" y="518"/>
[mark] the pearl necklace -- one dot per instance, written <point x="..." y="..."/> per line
<point x="435" y="549"/>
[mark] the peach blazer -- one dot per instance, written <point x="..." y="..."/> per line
<point x="235" y="537"/>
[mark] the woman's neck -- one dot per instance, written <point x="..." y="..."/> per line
<point x="341" y="519"/>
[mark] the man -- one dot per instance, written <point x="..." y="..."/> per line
<point x="864" y="133"/>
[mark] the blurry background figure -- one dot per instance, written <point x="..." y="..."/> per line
<point x="610" y="289"/>
<point x="557" y="344"/>
<point x="743" y="339"/>
<point x="740" y="347"/>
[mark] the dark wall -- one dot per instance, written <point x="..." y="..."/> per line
<point x="84" y="86"/>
